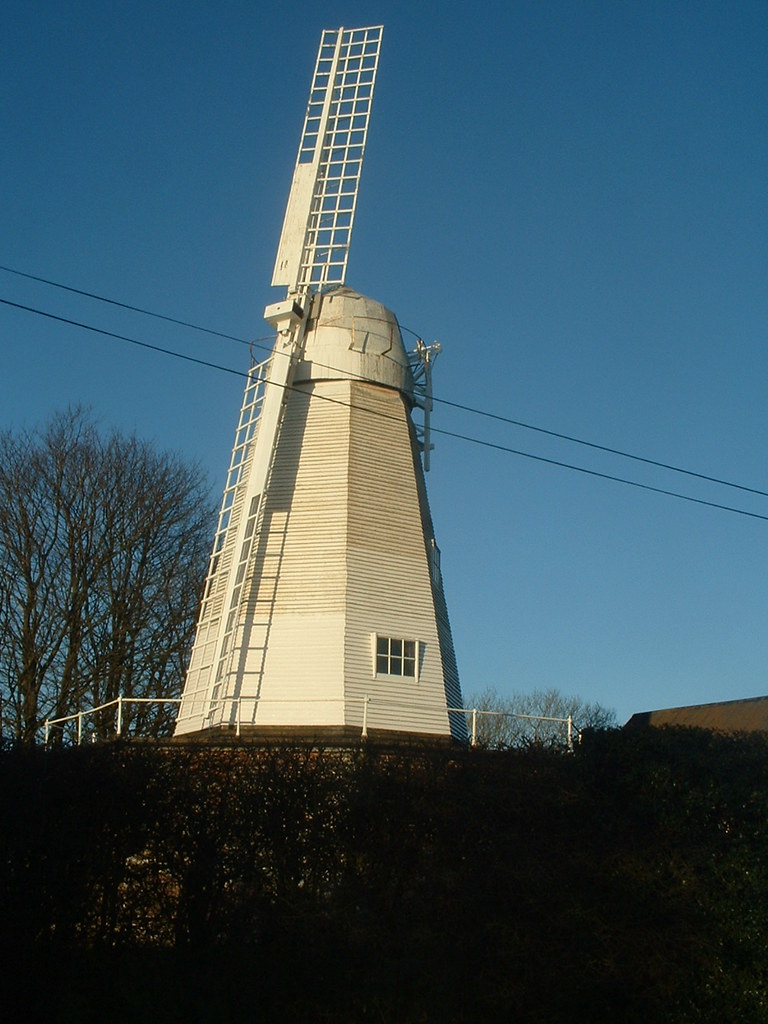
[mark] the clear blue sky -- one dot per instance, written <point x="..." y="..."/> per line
<point x="570" y="197"/>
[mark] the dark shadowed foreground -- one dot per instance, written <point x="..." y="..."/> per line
<point x="625" y="883"/>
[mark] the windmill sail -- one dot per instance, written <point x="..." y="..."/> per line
<point x="314" y="244"/>
<point x="323" y="612"/>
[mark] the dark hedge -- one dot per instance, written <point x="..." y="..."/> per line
<point x="627" y="882"/>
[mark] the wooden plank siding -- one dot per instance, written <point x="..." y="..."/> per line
<point x="342" y="552"/>
<point x="388" y="575"/>
<point x="298" y="574"/>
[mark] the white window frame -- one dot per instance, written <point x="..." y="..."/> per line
<point x="376" y="638"/>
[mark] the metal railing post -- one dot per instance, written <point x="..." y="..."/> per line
<point x="366" y="699"/>
<point x="570" y="733"/>
<point x="79" y="727"/>
<point x="47" y="731"/>
<point x="474" y="727"/>
<point x="119" y="715"/>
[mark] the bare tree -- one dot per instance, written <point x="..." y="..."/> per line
<point x="103" y="549"/>
<point x="538" y="717"/>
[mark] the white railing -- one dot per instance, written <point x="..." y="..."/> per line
<point x="118" y="703"/>
<point x="473" y="716"/>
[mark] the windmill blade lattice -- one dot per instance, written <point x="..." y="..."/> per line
<point x="314" y="244"/>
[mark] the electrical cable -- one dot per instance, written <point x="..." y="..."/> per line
<point x="602" y="476"/>
<point x="123" y="337"/>
<point x="134" y="309"/>
<point x="498" y="417"/>
<point x="445" y="433"/>
<point x="602" y="447"/>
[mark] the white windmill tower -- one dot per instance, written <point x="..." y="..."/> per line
<point x="323" y="613"/>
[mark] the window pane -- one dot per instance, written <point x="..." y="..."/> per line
<point x="396" y="657"/>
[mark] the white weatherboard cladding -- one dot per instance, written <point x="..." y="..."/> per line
<point x="341" y="552"/>
<point x="388" y="582"/>
<point x="343" y="513"/>
<point x="297" y="582"/>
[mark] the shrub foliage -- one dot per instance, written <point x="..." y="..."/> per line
<point x="626" y="882"/>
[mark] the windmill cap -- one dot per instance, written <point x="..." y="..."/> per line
<point x="352" y="337"/>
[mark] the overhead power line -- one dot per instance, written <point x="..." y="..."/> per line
<point x="445" y="433"/>
<point x="123" y="337"/>
<point x="133" y="309"/>
<point x="498" y="417"/>
<point x="602" y="448"/>
<point x="603" y="476"/>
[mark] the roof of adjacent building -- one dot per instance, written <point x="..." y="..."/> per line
<point x="750" y="715"/>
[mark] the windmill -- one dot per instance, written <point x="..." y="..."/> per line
<point x="323" y="612"/>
